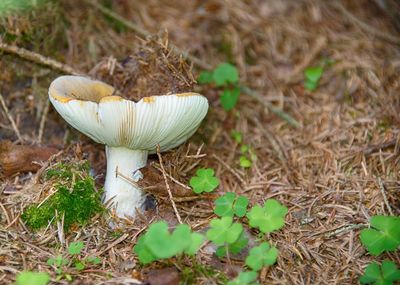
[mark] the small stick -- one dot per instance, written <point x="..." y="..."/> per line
<point x="167" y="185"/>
<point x="385" y="199"/>
<point x="38" y="58"/>
<point x="172" y="178"/>
<point x="280" y="113"/>
<point x="43" y="121"/>
<point x="230" y="169"/>
<point x="14" y="126"/>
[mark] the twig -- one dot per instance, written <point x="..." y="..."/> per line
<point x="172" y="178"/>
<point x="372" y="148"/>
<point x="378" y="33"/>
<point x="143" y="33"/>
<point x="385" y="199"/>
<point x="167" y="185"/>
<point x="344" y="229"/>
<point x="117" y="241"/>
<point x="282" y="114"/>
<point x="38" y="58"/>
<point x="43" y="121"/>
<point x="14" y="126"/>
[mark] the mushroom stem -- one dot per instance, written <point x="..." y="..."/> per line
<point x="123" y="166"/>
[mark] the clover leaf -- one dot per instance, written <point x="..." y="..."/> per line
<point x="204" y="181"/>
<point x="233" y="248"/>
<point x="159" y="243"/>
<point x="244" y="162"/>
<point x="224" y="231"/>
<point x="32" y="278"/>
<point x="261" y="256"/>
<point x="205" y="77"/>
<point x="269" y="218"/>
<point x="75" y="247"/>
<point x="383" y="236"/>
<point x="385" y="274"/>
<point x="312" y="76"/>
<point x="229" y="98"/>
<point x="229" y="205"/>
<point x="225" y="73"/>
<point x="244" y="278"/>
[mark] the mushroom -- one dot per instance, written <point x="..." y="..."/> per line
<point x="130" y="130"/>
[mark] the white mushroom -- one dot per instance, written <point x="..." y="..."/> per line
<point x="129" y="130"/>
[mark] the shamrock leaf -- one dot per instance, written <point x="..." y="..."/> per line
<point x="57" y="261"/>
<point x="204" y="181"/>
<point x="159" y="243"/>
<point x="244" y="278"/>
<point x="245" y="162"/>
<point x="383" y="236"/>
<point x="312" y="76"/>
<point x="381" y="275"/>
<point x="93" y="259"/>
<point x="228" y="205"/>
<point x="269" y="218"/>
<point x="224" y="231"/>
<point x="233" y="248"/>
<point x="225" y="73"/>
<point x="32" y="278"/>
<point x="205" y="77"/>
<point x="261" y="256"/>
<point x="229" y="98"/>
<point x="75" y="247"/>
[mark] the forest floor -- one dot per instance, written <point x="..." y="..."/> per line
<point x="333" y="171"/>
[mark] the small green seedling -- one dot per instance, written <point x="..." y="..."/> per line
<point x="269" y="218"/>
<point x="158" y="243"/>
<point x="261" y="256"/>
<point x="245" y="162"/>
<point x="204" y="181"/>
<point x="224" y="231"/>
<point x="225" y="76"/>
<point x="312" y="76"/>
<point x="386" y="274"/>
<point x="32" y="278"/>
<point x="229" y="205"/>
<point x="237" y="136"/>
<point x="384" y="234"/>
<point x="61" y="263"/>
<point x="245" y="278"/>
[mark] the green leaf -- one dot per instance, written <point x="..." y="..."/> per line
<point x="93" y="260"/>
<point x="228" y="205"/>
<point x="159" y="243"/>
<point x="229" y="98"/>
<point x="224" y="205"/>
<point x="269" y="218"/>
<point x="144" y="254"/>
<point x="32" y="278"/>
<point x="237" y="136"/>
<point x="79" y="265"/>
<point x="244" y="148"/>
<point x="244" y="278"/>
<point x="196" y="241"/>
<point x="225" y="73"/>
<point x="313" y="74"/>
<point x="245" y="162"/>
<point x="204" y="181"/>
<point x="58" y="261"/>
<point x="383" y="236"/>
<point x="233" y="248"/>
<point x="310" y="85"/>
<point x="205" y="77"/>
<point x="381" y="275"/>
<point x="75" y="248"/>
<point x="224" y="231"/>
<point x="261" y="256"/>
<point x="240" y="206"/>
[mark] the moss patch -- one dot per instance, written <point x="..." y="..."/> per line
<point x="76" y="198"/>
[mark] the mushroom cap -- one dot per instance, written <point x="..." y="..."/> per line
<point x="90" y="107"/>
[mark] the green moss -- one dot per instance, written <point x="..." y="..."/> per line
<point x="76" y="198"/>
